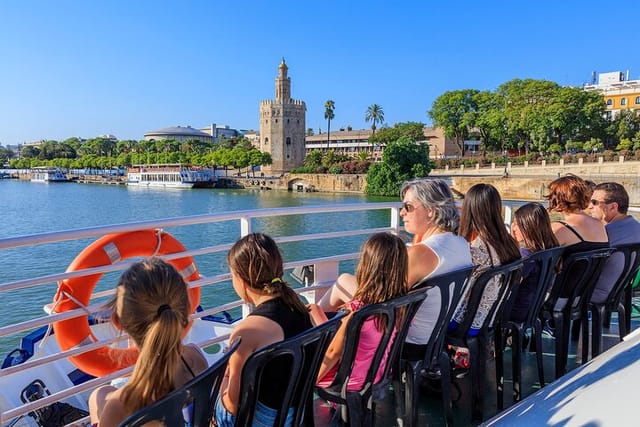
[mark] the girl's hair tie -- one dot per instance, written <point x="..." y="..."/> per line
<point x="276" y="280"/>
<point x="163" y="308"/>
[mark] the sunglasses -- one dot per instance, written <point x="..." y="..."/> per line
<point x="595" y="202"/>
<point x="407" y="207"/>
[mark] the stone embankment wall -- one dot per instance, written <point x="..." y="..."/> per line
<point x="530" y="182"/>
<point x="301" y="182"/>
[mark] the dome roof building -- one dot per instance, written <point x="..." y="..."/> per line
<point x="178" y="133"/>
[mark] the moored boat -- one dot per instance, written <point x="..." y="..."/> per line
<point x="170" y="176"/>
<point x="48" y="175"/>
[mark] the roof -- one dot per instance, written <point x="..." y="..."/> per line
<point x="178" y="130"/>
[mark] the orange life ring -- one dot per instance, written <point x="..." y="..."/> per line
<point x="105" y="251"/>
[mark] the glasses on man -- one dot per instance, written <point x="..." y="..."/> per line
<point x="408" y="207"/>
<point x="595" y="202"/>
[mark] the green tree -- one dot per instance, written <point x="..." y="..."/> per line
<point x="374" y="114"/>
<point x="454" y="111"/>
<point x="414" y="131"/>
<point x="401" y="160"/>
<point x="313" y="159"/>
<point x="329" y="108"/>
<point x="625" y="144"/>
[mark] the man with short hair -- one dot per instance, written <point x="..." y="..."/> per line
<point x="609" y="203"/>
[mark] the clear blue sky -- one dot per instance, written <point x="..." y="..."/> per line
<point x="85" y="68"/>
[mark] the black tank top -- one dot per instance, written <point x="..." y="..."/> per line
<point x="581" y="246"/>
<point x="276" y="375"/>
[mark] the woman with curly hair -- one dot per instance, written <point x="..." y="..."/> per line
<point x="570" y="196"/>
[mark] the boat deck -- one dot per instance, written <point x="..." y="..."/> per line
<point x="430" y="410"/>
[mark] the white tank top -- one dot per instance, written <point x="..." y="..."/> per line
<point x="453" y="254"/>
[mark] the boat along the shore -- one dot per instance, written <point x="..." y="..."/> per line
<point x="39" y="364"/>
<point x="170" y="176"/>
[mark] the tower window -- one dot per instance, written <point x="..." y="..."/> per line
<point x="288" y="141"/>
<point x="276" y="120"/>
<point x="266" y="140"/>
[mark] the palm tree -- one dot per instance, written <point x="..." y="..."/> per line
<point x="329" y="106"/>
<point x="374" y="114"/>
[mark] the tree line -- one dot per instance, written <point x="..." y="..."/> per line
<point x="73" y="153"/>
<point x="534" y="115"/>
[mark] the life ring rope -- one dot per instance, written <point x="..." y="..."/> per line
<point x="76" y="292"/>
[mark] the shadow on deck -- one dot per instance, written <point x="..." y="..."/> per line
<point x="430" y="406"/>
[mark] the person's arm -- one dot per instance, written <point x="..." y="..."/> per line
<point x="113" y="413"/>
<point x="318" y="316"/>
<point x="339" y="293"/>
<point x="334" y="351"/>
<point x="256" y="332"/>
<point x="422" y="261"/>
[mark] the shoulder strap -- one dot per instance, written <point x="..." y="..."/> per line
<point x="187" y="366"/>
<point x="573" y="230"/>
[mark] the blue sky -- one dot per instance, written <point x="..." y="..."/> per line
<point x="85" y="68"/>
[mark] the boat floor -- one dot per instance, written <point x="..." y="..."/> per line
<point x="430" y="410"/>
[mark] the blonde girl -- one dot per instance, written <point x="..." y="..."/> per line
<point x="152" y="306"/>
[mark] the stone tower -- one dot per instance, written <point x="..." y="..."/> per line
<point x="282" y="127"/>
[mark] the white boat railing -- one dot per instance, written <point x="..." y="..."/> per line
<point x="326" y="270"/>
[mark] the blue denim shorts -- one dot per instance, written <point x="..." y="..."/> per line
<point x="263" y="417"/>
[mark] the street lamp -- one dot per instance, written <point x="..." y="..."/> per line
<point x="504" y="154"/>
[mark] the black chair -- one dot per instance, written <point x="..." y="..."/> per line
<point x="304" y="354"/>
<point x="198" y="395"/>
<point x="629" y="305"/>
<point x="574" y="284"/>
<point x="506" y="276"/>
<point x="547" y="263"/>
<point x="614" y="302"/>
<point x="407" y="382"/>
<point x="358" y="406"/>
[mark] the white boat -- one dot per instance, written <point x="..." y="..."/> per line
<point x="48" y="175"/>
<point x="38" y="374"/>
<point x="170" y="176"/>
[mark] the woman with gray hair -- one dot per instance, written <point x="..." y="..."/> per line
<point x="430" y="214"/>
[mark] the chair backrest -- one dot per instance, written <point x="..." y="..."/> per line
<point x="197" y="398"/>
<point x="549" y="263"/>
<point x="505" y="276"/>
<point x="580" y="271"/>
<point x="451" y="287"/>
<point x="631" y="254"/>
<point x="396" y="314"/>
<point x="304" y="354"/>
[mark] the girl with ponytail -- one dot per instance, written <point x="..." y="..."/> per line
<point x="152" y="306"/>
<point x="256" y="271"/>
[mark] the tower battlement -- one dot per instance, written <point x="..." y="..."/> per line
<point x="283" y="126"/>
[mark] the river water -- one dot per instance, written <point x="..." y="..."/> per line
<point x="30" y="208"/>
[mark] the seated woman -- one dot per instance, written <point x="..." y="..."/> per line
<point x="531" y="228"/>
<point x="482" y="225"/>
<point x="381" y="275"/>
<point x="569" y="196"/>
<point x="430" y="214"/>
<point x="256" y="271"/>
<point x="152" y="306"/>
<point x="578" y="231"/>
